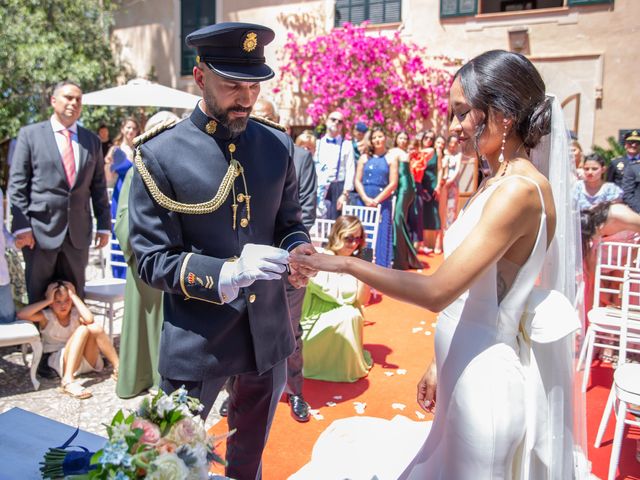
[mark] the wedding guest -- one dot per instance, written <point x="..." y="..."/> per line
<point x="431" y="158"/>
<point x="142" y="319"/>
<point x="359" y="139"/>
<point x="447" y="191"/>
<point x="593" y="189"/>
<point x="376" y="181"/>
<point x="118" y="163"/>
<point x="578" y="158"/>
<point x="105" y="139"/>
<point x="7" y="305"/>
<point x="307" y="140"/>
<point x="332" y="316"/>
<point x="70" y="336"/>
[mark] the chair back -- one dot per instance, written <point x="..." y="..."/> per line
<point x="114" y="256"/>
<point x="630" y="307"/>
<point x="319" y="233"/>
<point x="370" y="219"/>
<point x="612" y="260"/>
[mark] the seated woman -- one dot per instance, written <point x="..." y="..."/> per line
<point x="332" y="319"/>
<point x="70" y="336"/>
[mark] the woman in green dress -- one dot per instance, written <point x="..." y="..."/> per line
<point x="142" y="322"/>
<point x="332" y="320"/>
<point x="405" y="256"/>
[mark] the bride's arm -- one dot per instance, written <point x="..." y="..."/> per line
<point x="511" y="213"/>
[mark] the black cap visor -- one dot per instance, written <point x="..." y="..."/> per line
<point x="242" y="73"/>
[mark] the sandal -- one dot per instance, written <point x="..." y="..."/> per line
<point x="114" y="375"/>
<point x="76" y="390"/>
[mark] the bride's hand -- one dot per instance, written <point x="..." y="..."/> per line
<point x="318" y="261"/>
<point x="427" y="389"/>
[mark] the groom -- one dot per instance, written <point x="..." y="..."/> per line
<point x="214" y="214"/>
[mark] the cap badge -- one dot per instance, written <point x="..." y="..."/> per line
<point x="250" y="42"/>
<point x="211" y="127"/>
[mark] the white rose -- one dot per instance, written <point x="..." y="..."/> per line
<point x="168" y="466"/>
<point x="164" y="405"/>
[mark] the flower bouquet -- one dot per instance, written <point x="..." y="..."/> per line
<point x="164" y="439"/>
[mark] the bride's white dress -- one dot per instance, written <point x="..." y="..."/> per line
<point x="480" y="421"/>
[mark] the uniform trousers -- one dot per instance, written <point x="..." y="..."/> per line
<point x="295" y="297"/>
<point x="253" y="400"/>
<point x="63" y="263"/>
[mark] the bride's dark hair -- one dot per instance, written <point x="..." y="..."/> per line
<point x="509" y="83"/>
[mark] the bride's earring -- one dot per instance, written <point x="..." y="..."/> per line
<point x="504" y="139"/>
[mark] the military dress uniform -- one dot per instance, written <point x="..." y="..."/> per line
<point x="615" y="172"/>
<point x="199" y="196"/>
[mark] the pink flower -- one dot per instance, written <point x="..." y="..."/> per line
<point x="150" y="431"/>
<point x="166" y="446"/>
<point x="187" y="431"/>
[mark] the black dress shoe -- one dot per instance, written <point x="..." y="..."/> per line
<point x="299" y="408"/>
<point x="224" y="408"/>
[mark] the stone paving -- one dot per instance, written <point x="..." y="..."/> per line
<point x="16" y="389"/>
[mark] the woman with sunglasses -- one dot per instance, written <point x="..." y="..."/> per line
<point x="332" y="319"/>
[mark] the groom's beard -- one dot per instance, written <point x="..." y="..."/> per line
<point x="235" y="126"/>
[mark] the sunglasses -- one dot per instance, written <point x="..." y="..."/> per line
<point x="633" y="143"/>
<point x="352" y="239"/>
<point x="337" y="120"/>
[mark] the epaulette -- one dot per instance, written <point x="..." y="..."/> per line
<point x="268" y="123"/>
<point x="166" y="125"/>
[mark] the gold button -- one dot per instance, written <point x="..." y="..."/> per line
<point x="252" y="298"/>
<point x="244" y="222"/>
<point x="241" y="197"/>
<point x="232" y="147"/>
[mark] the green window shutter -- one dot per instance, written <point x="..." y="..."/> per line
<point x="458" y="8"/>
<point x="194" y="14"/>
<point x="375" y="11"/>
<point x="573" y="3"/>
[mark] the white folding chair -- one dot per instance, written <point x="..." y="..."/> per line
<point x="319" y="233"/>
<point x="370" y="219"/>
<point x="605" y="321"/>
<point x="105" y="296"/>
<point x="22" y="332"/>
<point x="626" y="379"/>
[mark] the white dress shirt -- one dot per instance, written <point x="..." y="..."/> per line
<point x="335" y="162"/>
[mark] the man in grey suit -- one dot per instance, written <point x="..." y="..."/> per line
<point x="56" y="171"/>
<point x="307" y="186"/>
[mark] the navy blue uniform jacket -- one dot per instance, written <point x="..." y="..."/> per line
<point x="182" y="254"/>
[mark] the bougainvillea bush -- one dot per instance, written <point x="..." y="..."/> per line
<point x="368" y="77"/>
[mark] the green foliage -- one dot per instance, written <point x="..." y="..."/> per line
<point x="615" y="150"/>
<point x="45" y="41"/>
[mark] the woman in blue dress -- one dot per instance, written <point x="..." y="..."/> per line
<point x="376" y="180"/>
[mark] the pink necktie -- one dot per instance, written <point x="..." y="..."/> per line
<point x="68" y="160"/>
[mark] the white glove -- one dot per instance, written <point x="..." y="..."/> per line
<point x="258" y="262"/>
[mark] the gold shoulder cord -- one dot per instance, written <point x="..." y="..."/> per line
<point x="234" y="170"/>
<point x="269" y="123"/>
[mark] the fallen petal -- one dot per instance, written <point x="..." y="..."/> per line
<point x="398" y="406"/>
<point x="401" y="371"/>
<point x="420" y="415"/>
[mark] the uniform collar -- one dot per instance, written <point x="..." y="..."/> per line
<point x="208" y="125"/>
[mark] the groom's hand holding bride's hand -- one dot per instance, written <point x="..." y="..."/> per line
<point x="427" y="389"/>
<point x="300" y="272"/>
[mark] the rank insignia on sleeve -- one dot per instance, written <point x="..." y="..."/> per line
<point x="192" y="278"/>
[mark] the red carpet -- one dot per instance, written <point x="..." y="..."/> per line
<point x="399" y="337"/>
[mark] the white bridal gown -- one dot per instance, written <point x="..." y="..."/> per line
<point x="481" y="415"/>
<point x="480" y="418"/>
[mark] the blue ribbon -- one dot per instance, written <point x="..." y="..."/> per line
<point x="75" y="462"/>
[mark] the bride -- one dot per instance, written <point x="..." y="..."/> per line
<point x="489" y="420"/>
